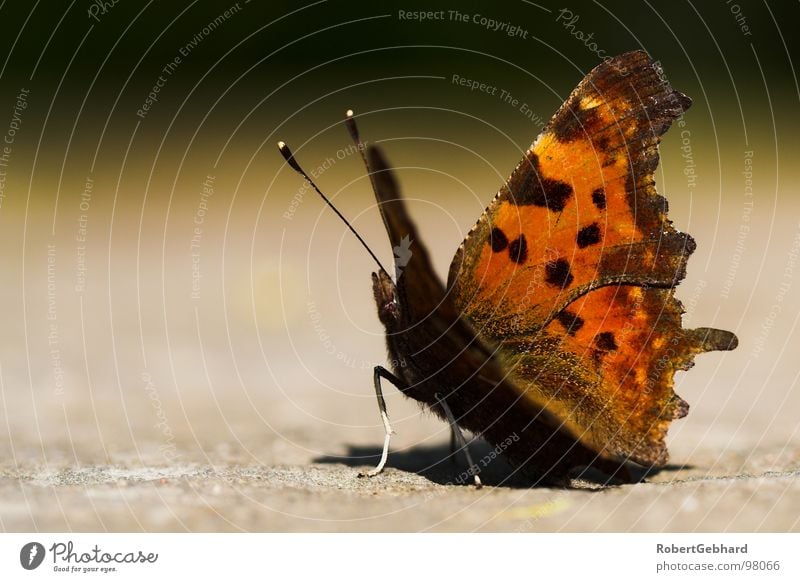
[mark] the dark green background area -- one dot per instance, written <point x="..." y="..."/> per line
<point x="705" y="32"/>
<point x="273" y="58"/>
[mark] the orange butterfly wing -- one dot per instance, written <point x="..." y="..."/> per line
<point x="571" y="269"/>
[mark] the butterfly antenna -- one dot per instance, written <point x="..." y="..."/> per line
<point x="289" y="157"/>
<point x="350" y="122"/>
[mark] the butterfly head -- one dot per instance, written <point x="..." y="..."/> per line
<point x="385" y="292"/>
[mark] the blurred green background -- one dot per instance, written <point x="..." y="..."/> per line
<point x="169" y="284"/>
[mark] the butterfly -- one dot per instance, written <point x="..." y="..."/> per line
<point x="557" y="334"/>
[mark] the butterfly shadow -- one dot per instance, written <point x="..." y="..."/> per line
<point x="666" y="470"/>
<point x="438" y="464"/>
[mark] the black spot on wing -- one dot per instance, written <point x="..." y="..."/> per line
<point x="589" y="235"/>
<point x="497" y="240"/>
<point x="550" y="194"/>
<point x="605" y="341"/>
<point x="518" y="249"/>
<point x="571" y="322"/>
<point x="538" y="191"/>
<point x="599" y="198"/>
<point x="558" y="273"/>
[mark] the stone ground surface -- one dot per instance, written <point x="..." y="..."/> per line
<point x="223" y="490"/>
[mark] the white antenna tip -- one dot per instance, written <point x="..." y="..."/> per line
<point x="281" y="145"/>
<point x="349" y="113"/>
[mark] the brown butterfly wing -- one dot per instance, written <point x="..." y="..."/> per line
<point x="437" y="354"/>
<point x="571" y="268"/>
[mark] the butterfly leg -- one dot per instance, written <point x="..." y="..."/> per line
<point x="381" y="372"/>
<point x="454" y="448"/>
<point x="462" y="443"/>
